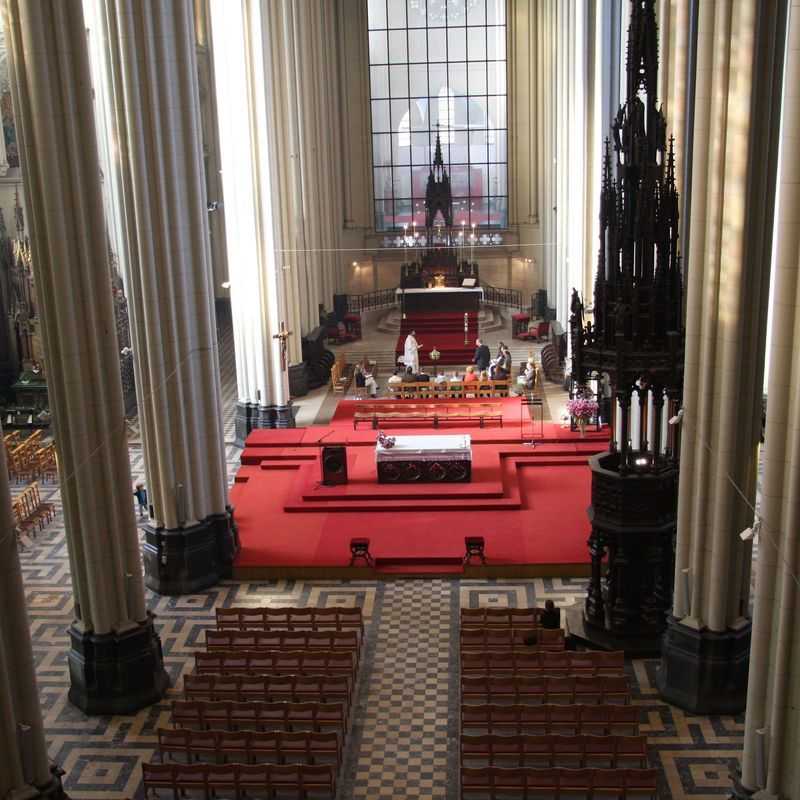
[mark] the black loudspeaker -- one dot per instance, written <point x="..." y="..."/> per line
<point x="340" y="306"/>
<point x="334" y="465"/>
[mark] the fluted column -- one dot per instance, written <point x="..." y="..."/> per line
<point x="19" y="697"/>
<point x="246" y="79"/>
<point x="772" y="723"/>
<point x="115" y="658"/>
<point x="282" y="176"/>
<point x="191" y="542"/>
<point x="705" y="654"/>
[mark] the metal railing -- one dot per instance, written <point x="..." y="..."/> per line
<point x="497" y="296"/>
<point x="382" y="298"/>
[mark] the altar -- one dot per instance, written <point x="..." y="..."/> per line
<point x="425" y="459"/>
<point x="442" y="298"/>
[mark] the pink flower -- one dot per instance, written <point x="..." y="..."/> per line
<point x="582" y="407"/>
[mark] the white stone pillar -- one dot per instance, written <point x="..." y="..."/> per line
<point x="705" y="654"/>
<point x="115" y="660"/>
<point x="770" y="767"/>
<point x="191" y="542"/>
<point x="285" y="189"/>
<point x="20" y="715"/>
<point x="246" y="80"/>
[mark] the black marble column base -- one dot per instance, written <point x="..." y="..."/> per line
<point x="116" y="673"/>
<point x="52" y="790"/>
<point x="189" y="559"/>
<point x="703" y="671"/>
<point x="596" y="637"/>
<point x="250" y="416"/>
<point x="738" y="790"/>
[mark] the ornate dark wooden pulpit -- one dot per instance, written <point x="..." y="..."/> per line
<point x="636" y="340"/>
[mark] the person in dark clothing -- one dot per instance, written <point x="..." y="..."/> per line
<point x="409" y="376"/>
<point x="551" y="618"/>
<point x="482" y="357"/>
<point x="422" y="377"/>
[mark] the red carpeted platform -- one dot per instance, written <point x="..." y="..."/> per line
<point x="529" y="503"/>
<point x="443" y="331"/>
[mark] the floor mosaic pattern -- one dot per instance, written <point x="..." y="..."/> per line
<point x="404" y="740"/>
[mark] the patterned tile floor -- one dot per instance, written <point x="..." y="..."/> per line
<point x="404" y="736"/>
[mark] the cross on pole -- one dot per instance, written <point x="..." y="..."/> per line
<point x="282" y="336"/>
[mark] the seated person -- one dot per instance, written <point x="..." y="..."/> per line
<point x="369" y="381"/>
<point x="440" y="378"/>
<point x="395" y="379"/>
<point x="551" y="618"/>
<point x="409" y="376"/>
<point x="471" y="376"/>
<point x="527" y="380"/>
<point x="358" y="375"/>
<point x="422" y="377"/>
<point x="456" y="378"/>
<point x="484" y="376"/>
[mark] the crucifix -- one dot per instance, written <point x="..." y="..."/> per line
<point x="283" y="335"/>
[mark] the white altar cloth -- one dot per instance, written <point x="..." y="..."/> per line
<point x="427" y="448"/>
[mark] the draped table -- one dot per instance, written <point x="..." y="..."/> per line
<point x="425" y="459"/>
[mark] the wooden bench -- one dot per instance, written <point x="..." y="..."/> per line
<point x="290" y="619"/>
<point x="565" y="662"/>
<point x="251" y="747"/>
<point x="545" y="689"/>
<point x="275" y="662"/>
<point x="385" y="414"/>
<point x="604" y="719"/>
<point x="450" y="390"/>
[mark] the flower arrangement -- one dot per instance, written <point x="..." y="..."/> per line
<point x="582" y="408"/>
<point x="435" y="354"/>
<point x="387" y="442"/>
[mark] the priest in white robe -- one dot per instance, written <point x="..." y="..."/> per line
<point x="411" y="352"/>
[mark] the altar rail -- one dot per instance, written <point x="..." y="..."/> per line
<point x="498" y="296"/>
<point x="371" y="301"/>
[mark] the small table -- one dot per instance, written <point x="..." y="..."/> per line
<point x="425" y="459"/>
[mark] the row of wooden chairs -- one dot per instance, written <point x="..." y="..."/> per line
<point x="529" y="783"/>
<point x="538" y="662"/>
<point x="29" y="459"/>
<point x="545" y="689"/>
<point x="501" y="617"/>
<point x="487" y="639"/>
<point x="260" y="716"/>
<point x="268" y="688"/>
<point x="30" y="512"/>
<point x="316" y="619"/>
<point x="276" y="662"/>
<point x="250" y="780"/>
<point x="282" y="640"/>
<point x="603" y="719"/>
<point x="251" y="747"/>
<point x="450" y="390"/>
<point x="550" y="750"/>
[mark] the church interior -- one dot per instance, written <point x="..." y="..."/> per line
<point x="399" y="399"/>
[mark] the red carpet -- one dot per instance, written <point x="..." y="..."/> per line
<point x="443" y="331"/>
<point x="528" y="503"/>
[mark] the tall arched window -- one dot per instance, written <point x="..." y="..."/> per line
<point x="438" y="66"/>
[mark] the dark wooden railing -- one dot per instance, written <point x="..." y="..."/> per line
<point x="497" y="296"/>
<point x="382" y="298"/>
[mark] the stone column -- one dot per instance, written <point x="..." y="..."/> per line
<point x="280" y="146"/>
<point x="705" y="652"/>
<point x="246" y="82"/>
<point x="24" y="767"/>
<point x="191" y="542"/>
<point x="115" y="657"/>
<point x="770" y="767"/>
